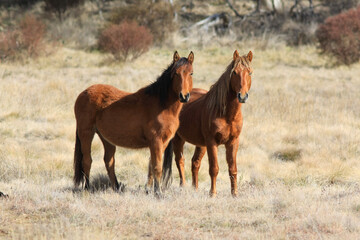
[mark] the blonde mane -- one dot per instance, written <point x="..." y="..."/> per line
<point x="216" y="98"/>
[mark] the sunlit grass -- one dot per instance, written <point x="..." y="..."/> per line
<point x="297" y="162"/>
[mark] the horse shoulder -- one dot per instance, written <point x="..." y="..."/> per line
<point x="162" y="127"/>
<point x="235" y="128"/>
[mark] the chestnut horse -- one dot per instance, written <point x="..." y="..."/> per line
<point x="211" y="119"/>
<point x="146" y="118"/>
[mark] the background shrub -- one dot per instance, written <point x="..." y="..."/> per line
<point x="339" y="36"/>
<point x="32" y="35"/>
<point x="126" y="40"/>
<point x="27" y="39"/>
<point x="157" y="16"/>
<point x="9" y="44"/>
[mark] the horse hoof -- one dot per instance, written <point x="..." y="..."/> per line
<point x="213" y="194"/>
<point x="2" y="195"/>
<point x="159" y="195"/>
<point x="122" y="187"/>
<point x="147" y="189"/>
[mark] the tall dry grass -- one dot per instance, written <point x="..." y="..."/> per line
<point x="298" y="160"/>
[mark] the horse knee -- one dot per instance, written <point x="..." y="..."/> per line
<point x="157" y="170"/>
<point x="214" y="171"/>
<point x="232" y="170"/>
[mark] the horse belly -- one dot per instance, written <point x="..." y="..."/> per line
<point x="127" y="141"/>
<point x="191" y="132"/>
<point x="124" y="130"/>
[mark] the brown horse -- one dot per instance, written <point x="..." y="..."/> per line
<point x="211" y="119"/>
<point x="146" y="118"/>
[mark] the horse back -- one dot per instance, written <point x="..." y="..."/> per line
<point x="196" y="93"/>
<point x="102" y="95"/>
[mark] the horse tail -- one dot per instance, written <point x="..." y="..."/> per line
<point x="167" y="165"/>
<point x="78" y="156"/>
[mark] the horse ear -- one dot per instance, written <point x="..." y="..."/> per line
<point x="250" y="56"/>
<point x="176" y="56"/>
<point x="236" y="55"/>
<point x="191" y="57"/>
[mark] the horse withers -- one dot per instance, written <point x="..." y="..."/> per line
<point x="146" y="118"/>
<point x="210" y="119"/>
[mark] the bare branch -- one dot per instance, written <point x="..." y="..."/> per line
<point x="234" y="10"/>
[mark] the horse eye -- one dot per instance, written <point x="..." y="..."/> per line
<point x="191" y="74"/>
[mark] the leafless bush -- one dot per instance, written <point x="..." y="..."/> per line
<point x="339" y="36"/>
<point x="32" y="32"/>
<point x="298" y="33"/>
<point x="157" y="16"/>
<point x="125" y="40"/>
<point x="9" y="44"/>
<point x="27" y="39"/>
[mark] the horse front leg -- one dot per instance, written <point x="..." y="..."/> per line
<point x="213" y="167"/>
<point x="179" y="158"/>
<point x="156" y="152"/>
<point x="231" y="150"/>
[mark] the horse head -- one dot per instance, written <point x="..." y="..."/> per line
<point x="241" y="75"/>
<point x="182" y="76"/>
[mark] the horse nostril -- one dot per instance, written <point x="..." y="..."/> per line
<point x="185" y="98"/>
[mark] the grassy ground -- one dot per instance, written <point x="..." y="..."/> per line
<point x="298" y="160"/>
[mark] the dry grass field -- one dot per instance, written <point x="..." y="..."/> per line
<point x="298" y="161"/>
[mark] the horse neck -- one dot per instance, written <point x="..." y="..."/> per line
<point x="173" y="105"/>
<point x="233" y="108"/>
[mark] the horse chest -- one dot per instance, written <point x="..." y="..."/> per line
<point x="226" y="132"/>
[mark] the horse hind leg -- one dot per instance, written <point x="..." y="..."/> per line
<point x="109" y="159"/>
<point x="195" y="164"/>
<point x="86" y="137"/>
<point x="179" y="158"/>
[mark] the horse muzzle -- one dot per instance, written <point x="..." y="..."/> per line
<point x="242" y="98"/>
<point x="183" y="98"/>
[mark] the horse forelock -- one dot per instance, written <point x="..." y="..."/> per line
<point x="162" y="84"/>
<point x="182" y="61"/>
<point x="218" y="93"/>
